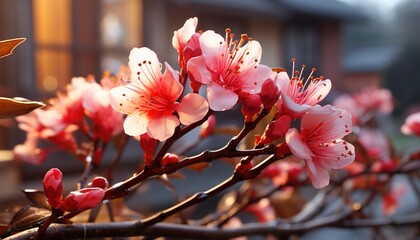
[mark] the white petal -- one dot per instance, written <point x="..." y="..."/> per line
<point x="162" y="128"/>
<point x="336" y="155"/>
<point x="135" y="124"/>
<point x="123" y="99"/>
<point x="192" y="108"/>
<point x="221" y="99"/>
<point x="213" y="46"/>
<point x="149" y="69"/>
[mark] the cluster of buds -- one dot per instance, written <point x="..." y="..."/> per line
<point x="75" y="201"/>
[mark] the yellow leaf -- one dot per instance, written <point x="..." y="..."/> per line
<point x="7" y="46"/>
<point x="12" y="107"/>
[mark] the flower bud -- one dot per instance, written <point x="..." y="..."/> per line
<point x="84" y="199"/>
<point x="276" y="129"/>
<point x="270" y="93"/>
<point x="53" y="187"/>
<point x="251" y="105"/>
<point x="169" y="159"/>
<point x="148" y="145"/>
<point x="99" y="182"/>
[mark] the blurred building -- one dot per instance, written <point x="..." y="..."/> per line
<point x="69" y="38"/>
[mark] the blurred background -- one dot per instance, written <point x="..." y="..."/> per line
<point x="355" y="43"/>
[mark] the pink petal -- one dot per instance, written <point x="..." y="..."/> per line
<point x="319" y="176"/>
<point x="123" y="99"/>
<point x="181" y="37"/>
<point x="149" y="69"/>
<point x="254" y="78"/>
<point x="297" y="109"/>
<point x="322" y="89"/>
<point x="221" y="99"/>
<point x="135" y="124"/>
<point x="170" y="83"/>
<point x="283" y="81"/>
<point x="197" y="70"/>
<point x="330" y="123"/>
<point x="336" y="155"/>
<point x="213" y="46"/>
<point x="192" y="108"/>
<point x="162" y="128"/>
<point x="297" y="146"/>
<point x="251" y="53"/>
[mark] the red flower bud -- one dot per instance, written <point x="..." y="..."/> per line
<point x="276" y="129"/>
<point x="148" y="145"/>
<point x="84" y="199"/>
<point x="53" y="187"/>
<point x="99" y="182"/>
<point x="169" y="159"/>
<point x="251" y="105"/>
<point x="270" y="93"/>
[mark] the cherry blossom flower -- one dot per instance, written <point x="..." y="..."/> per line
<point x="29" y="152"/>
<point x="372" y="99"/>
<point x="151" y="99"/>
<point x="228" y="67"/>
<point x="107" y="122"/>
<point x="376" y="145"/>
<point x="319" y="142"/>
<point x="47" y="124"/>
<point x="181" y="38"/>
<point x="411" y="125"/>
<point x="348" y="103"/>
<point x="297" y="94"/>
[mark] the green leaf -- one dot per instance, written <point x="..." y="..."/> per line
<point x="12" y="107"/>
<point x="7" y="46"/>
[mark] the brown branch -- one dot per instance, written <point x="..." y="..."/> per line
<point x="229" y="150"/>
<point x="135" y="228"/>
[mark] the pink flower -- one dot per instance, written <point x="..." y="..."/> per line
<point x="29" y="152"/>
<point x="182" y="37"/>
<point x="372" y="99"/>
<point x="411" y="125"/>
<point x="319" y="142"/>
<point x="348" y="103"/>
<point x="53" y="187"/>
<point x="107" y="122"/>
<point x="83" y="199"/>
<point x="151" y="99"/>
<point x="69" y="105"/>
<point x="297" y="94"/>
<point x="376" y="145"/>
<point x="228" y="67"/>
<point x="48" y="124"/>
